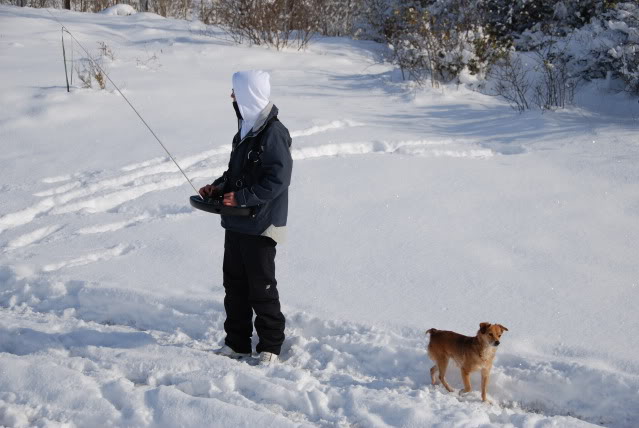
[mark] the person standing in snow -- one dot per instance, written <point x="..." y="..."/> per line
<point x="258" y="176"/>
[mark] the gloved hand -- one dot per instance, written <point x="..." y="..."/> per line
<point x="210" y="191"/>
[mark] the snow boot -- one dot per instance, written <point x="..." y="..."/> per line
<point x="227" y="351"/>
<point x="267" y="359"/>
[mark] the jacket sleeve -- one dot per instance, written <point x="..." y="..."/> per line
<point x="219" y="181"/>
<point x="277" y="166"/>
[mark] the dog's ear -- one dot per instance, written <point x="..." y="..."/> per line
<point x="502" y="327"/>
<point x="483" y="327"/>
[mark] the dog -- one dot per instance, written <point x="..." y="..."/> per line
<point x="470" y="354"/>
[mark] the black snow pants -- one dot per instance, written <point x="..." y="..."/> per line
<point x="250" y="285"/>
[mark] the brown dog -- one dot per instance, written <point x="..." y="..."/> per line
<point x="470" y="354"/>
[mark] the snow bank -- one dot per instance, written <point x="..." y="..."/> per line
<point x="119" y="9"/>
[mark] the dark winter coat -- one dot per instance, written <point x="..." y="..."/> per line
<point x="259" y="172"/>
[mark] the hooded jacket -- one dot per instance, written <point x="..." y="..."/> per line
<point x="260" y="166"/>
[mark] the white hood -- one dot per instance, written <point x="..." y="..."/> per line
<point x="252" y="92"/>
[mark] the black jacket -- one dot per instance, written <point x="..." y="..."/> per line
<point x="259" y="172"/>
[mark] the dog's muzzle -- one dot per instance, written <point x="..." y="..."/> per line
<point x="496" y="343"/>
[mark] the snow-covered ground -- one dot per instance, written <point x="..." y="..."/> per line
<point x="410" y="209"/>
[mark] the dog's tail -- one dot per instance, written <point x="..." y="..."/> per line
<point x="430" y="331"/>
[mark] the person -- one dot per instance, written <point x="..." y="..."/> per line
<point x="258" y="176"/>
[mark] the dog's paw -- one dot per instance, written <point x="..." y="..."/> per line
<point x="440" y="386"/>
<point x="469" y="397"/>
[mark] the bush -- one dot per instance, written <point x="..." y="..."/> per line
<point x="555" y="87"/>
<point x="507" y="19"/>
<point x="276" y="23"/>
<point x="511" y="82"/>
<point x="337" y="17"/>
<point x="170" y="8"/>
<point x="605" y="48"/>
<point x="437" y="39"/>
<point x="92" y="70"/>
<point x="613" y="46"/>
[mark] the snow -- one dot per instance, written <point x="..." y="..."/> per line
<point x="411" y="208"/>
<point x="119" y="10"/>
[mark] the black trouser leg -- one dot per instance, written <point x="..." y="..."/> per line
<point x="239" y="316"/>
<point x="259" y="258"/>
<point x="249" y="280"/>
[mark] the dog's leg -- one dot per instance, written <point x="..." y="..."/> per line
<point x="442" y="365"/>
<point x="465" y="374"/>
<point x="433" y="375"/>
<point x="485" y="377"/>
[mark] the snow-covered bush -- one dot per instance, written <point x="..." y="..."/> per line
<point x="373" y="18"/>
<point x="507" y="19"/>
<point x="613" y="46"/>
<point x="605" y="48"/>
<point x="572" y="39"/>
<point x="437" y="40"/>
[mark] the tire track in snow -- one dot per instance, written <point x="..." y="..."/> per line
<point x="146" y="217"/>
<point x="98" y="256"/>
<point x="27" y="215"/>
<point x="32" y="237"/>
<point x="112" y="227"/>
<point x="144" y="164"/>
<point x="94" y="194"/>
<point x="336" y="124"/>
<point x="56" y="179"/>
<point x="408" y="147"/>
<point x="135" y="172"/>
<point x="58" y="190"/>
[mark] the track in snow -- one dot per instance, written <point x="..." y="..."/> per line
<point x="104" y="191"/>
